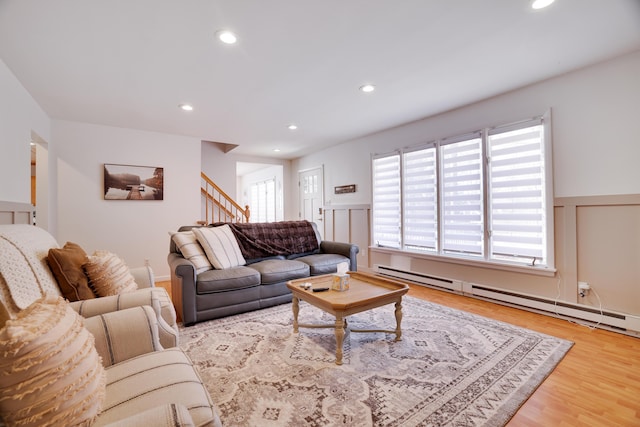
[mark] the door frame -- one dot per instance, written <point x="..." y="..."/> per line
<point x="320" y="190"/>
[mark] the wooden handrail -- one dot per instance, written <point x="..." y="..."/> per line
<point x="219" y="207"/>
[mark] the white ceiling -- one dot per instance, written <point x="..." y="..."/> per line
<point x="130" y="63"/>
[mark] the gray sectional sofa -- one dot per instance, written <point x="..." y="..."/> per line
<point x="274" y="253"/>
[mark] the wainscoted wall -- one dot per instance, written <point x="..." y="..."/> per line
<point x="597" y="240"/>
<point x="349" y="223"/>
<point x="16" y="213"/>
<point x="601" y="246"/>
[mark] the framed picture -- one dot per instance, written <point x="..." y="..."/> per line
<point x="126" y="182"/>
<point x="342" y="189"/>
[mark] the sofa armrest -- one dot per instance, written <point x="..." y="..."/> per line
<point x="156" y="297"/>
<point x="124" y="334"/>
<point x="183" y="287"/>
<point x="169" y="415"/>
<point x="348" y="250"/>
<point x="143" y="277"/>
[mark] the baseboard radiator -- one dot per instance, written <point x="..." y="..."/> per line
<point x="591" y="316"/>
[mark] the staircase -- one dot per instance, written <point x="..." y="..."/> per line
<point x="218" y="206"/>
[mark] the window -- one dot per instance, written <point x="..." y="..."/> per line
<point x="483" y="196"/>
<point x="420" y="199"/>
<point x="517" y="184"/>
<point x="386" y="201"/>
<point x="462" y="211"/>
<point x="263" y="201"/>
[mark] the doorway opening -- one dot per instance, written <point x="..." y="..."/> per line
<point x="39" y="165"/>
<point x="260" y="187"/>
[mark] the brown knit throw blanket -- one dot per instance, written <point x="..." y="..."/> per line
<point x="265" y="239"/>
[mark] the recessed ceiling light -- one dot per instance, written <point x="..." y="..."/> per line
<point x="227" y="37"/>
<point x="186" y="107"/>
<point x="367" y="88"/>
<point x="541" y="4"/>
<point x="276" y="150"/>
<point x="292" y="127"/>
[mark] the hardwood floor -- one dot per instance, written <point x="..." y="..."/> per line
<point x="596" y="384"/>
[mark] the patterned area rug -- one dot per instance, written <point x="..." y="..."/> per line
<point x="451" y="368"/>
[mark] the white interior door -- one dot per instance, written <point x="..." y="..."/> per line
<point x="311" y="189"/>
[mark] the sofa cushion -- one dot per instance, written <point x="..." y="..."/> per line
<point x="144" y="382"/>
<point x="280" y="270"/>
<point x="108" y="274"/>
<point x="228" y="279"/>
<point x="123" y="334"/>
<point x="156" y="297"/>
<point x="323" y="263"/>
<point x="66" y="265"/>
<point x="50" y="372"/>
<point x="167" y="415"/>
<point x="188" y="245"/>
<point x="220" y="245"/>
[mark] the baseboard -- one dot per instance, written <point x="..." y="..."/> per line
<point x="589" y="316"/>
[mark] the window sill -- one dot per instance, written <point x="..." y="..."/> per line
<point x="492" y="265"/>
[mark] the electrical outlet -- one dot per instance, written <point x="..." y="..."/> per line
<point x="583" y="289"/>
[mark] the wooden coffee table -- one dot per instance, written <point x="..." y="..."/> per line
<point x="366" y="291"/>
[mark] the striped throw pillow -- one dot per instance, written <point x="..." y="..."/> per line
<point x="221" y="246"/>
<point x="189" y="247"/>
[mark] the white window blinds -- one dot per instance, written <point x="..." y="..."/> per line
<point x="462" y="201"/>
<point x="517" y="205"/>
<point x="485" y="195"/>
<point x="263" y="201"/>
<point x="420" y="199"/>
<point x="386" y="201"/>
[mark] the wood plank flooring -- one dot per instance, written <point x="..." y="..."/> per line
<point x="597" y="384"/>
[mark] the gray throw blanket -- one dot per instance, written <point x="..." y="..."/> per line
<point x="266" y="239"/>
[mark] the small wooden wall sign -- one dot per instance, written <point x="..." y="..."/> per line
<point x="345" y="189"/>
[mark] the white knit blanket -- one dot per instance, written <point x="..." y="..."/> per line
<point x="23" y="266"/>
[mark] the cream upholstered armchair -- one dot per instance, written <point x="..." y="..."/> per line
<point x="107" y="361"/>
<point x="26" y="275"/>
<point x="58" y="369"/>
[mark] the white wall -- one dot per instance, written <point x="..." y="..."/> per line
<point x="19" y="116"/>
<point x="135" y="230"/>
<point x="595" y="133"/>
<point x="596" y="147"/>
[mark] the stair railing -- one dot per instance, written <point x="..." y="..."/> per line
<point x="218" y="206"/>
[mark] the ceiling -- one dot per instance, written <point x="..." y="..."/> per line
<point x="131" y="63"/>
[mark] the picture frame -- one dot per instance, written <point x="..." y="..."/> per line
<point x="342" y="189"/>
<point x="129" y="182"/>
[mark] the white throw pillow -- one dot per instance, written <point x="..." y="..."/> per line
<point x="189" y="247"/>
<point x="220" y="245"/>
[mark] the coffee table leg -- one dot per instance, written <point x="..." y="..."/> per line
<point x="339" y="339"/>
<point x="398" y="320"/>
<point x="295" y="304"/>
